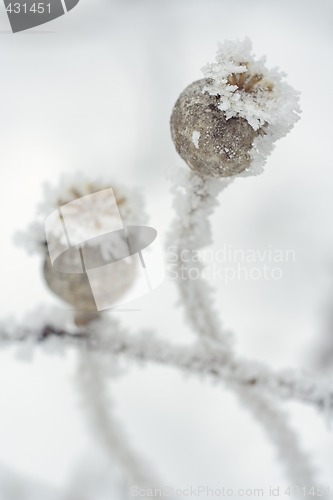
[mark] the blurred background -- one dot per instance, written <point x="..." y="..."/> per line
<point x="93" y="92"/>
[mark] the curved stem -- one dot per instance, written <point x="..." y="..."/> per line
<point x="92" y="380"/>
<point x="208" y="359"/>
<point x="297" y="465"/>
<point x="194" y="201"/>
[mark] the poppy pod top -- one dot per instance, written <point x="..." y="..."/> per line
<point x="227" y="123"/>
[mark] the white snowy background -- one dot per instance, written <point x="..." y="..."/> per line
<point x="93" y="91"/>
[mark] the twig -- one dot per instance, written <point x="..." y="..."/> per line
<point x="91" y="381"/>
<point x="194" y="201"/>
<point x="208" y="359"/>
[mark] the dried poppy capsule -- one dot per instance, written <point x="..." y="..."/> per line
<point x="78" y="208"/>
<point x="227" y="122"/>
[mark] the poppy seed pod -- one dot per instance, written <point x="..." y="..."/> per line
<point x="209" y="143"/>
<point x="86" y="210"/>
<point x="75" y="289"/>
<point x="82" y="218"/>
<point x="227" y="122"/>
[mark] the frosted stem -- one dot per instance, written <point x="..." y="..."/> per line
<point x="92" y="381"/>
<point x="274" y="421"/>
<point x="208" y="359"/>
<point x="194" y="201"/>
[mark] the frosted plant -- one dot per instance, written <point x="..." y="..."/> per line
<point x="72" y="187"/>
<point x="223" y="126"/>
<point x="87" y="215"/>
<point x="227" y="122"/>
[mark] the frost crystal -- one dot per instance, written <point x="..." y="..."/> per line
<point x="73" y="187"/>
<point x="248" y="89"/>
<point x="195" y="138"/>
<point x="245" y="88"/>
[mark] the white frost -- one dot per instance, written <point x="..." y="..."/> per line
<point x="247" y="89"/>
<point x="195" y="138"/>
<point x="71" y="187"/>
<point x="271" y="101"/>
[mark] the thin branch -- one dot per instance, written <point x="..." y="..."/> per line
<point x="208" y="359"/>
<point x="275" y="423"/>
<point x="91" y="381"/>
<point x="194" y="201"/>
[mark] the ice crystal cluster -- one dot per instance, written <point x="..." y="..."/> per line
<point x="228" y="122"/>
<point x="73" y="187"/>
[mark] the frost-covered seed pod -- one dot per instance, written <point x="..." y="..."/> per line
<point x="209" y="143"/>
<point x="228" y="122"/>
<point x="74" y="287"/>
